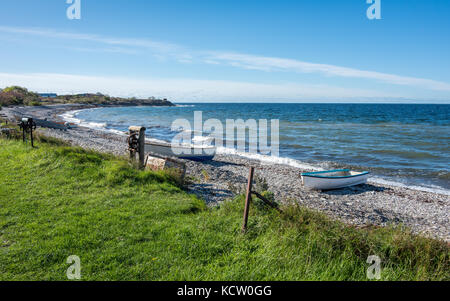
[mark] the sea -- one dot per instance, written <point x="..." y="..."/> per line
<point x="400" y="144"/>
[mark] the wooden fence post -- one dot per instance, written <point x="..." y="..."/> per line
<point x="142" y="148"/>
<point x="248" y="199"/>
<point x="136" y="143"/>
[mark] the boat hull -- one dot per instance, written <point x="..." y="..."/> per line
<point x="195" y="153"/>
<point x="334" y="179"/>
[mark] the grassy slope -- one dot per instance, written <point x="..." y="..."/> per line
<point x="130" y="225"/>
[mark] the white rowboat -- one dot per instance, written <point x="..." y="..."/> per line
<point x="333" y="179"/>
<point x="190" y="152"/>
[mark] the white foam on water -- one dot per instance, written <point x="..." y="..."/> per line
<point x="71" y="117"/>
<point x="95" y="125"/>
<point x="268" y="159"/>
<point x="117" y="132"/>
<point x="432" y="188"/>
<point x="202" y="140"/>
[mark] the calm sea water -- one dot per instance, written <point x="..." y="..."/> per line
<point x="407" y="144"/>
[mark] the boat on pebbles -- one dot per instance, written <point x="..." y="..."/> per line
<point x="182" y="151"/>
<point x="333" y="179"/>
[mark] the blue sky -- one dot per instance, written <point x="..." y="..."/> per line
<point x="210" y="50"/>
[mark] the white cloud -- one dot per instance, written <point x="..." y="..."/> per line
<point x="159" y="47"/>
<point x="182" y="90"/>
<point x="162" y="51"/>
<point x="103" y="50"/>
<point x="279" y="64"/>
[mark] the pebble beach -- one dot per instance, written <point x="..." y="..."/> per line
<point x="215" y="181"/>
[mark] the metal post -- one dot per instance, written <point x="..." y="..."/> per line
<point x="30" y="121"/>
<point x="141" y="149"/>
<point x="248" y="199"/>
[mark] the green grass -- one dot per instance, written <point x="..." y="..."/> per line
<point x="57" y="201"/>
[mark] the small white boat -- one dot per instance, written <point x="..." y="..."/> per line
<point x="333" y="179"/>
<point x="183" y="151"/>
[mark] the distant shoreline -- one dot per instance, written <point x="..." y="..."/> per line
<point x="18" y="96"/>
<point x="53" y="111"/>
